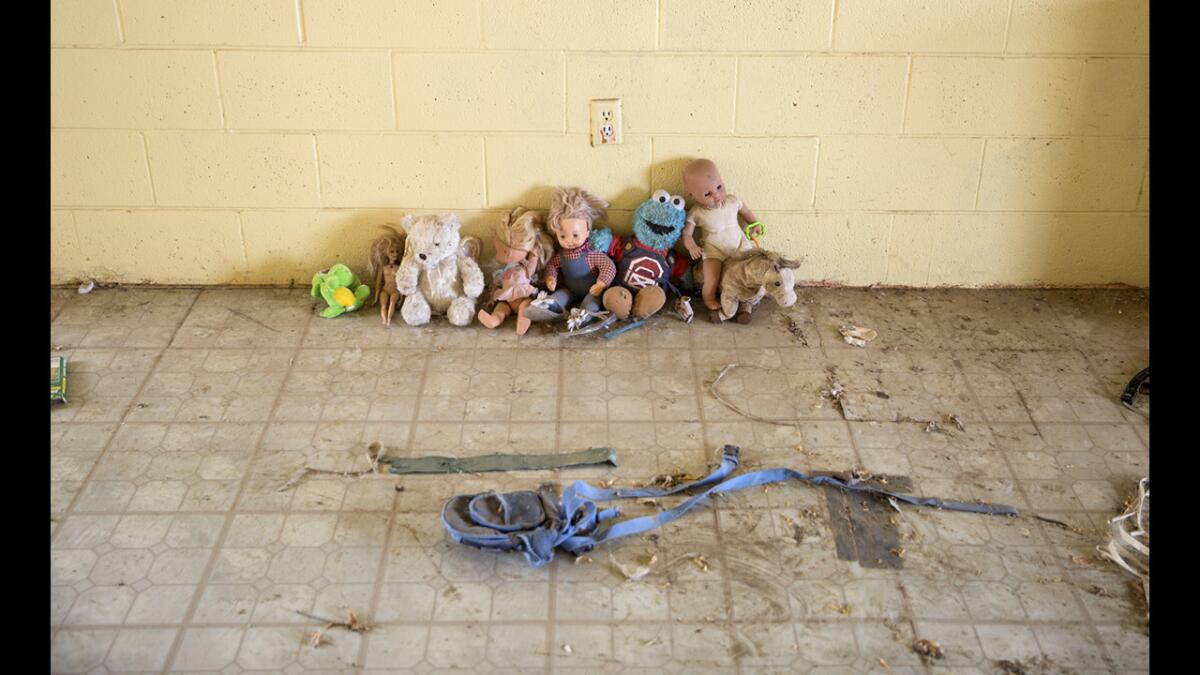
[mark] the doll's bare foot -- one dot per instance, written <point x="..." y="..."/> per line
<point x="488" y="320"/>
<point x="523" y="322"/>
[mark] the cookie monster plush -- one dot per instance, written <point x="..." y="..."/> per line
<point x="645" y="263"/>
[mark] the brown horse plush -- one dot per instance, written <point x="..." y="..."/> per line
<point x="748" y="276"/>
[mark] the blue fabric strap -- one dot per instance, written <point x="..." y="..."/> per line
<point x="523" y="521"/>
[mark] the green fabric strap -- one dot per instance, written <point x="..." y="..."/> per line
<point x="482" y="463"/>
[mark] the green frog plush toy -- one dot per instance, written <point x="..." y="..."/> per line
<point x="341" y="289"/>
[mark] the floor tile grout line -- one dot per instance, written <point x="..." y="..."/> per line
<point x="1048" y="545"/>
<point x="233" y="512"/>
<point x="726" y="584"/>
<point x="392" y="523"/>
<point x="66" y="513"/>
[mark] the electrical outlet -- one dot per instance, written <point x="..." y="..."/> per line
<point x="606" y="121"/>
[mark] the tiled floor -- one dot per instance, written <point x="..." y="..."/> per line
<point x="174" y="550"/>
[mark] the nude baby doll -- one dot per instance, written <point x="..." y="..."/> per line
<point x="382" y="264"/>
<point x="522" y="249"/>
<point x="584" y="273"/>
<point x="716" y="213"/>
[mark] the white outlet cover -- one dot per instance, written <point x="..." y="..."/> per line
<point x="606" y="121"/>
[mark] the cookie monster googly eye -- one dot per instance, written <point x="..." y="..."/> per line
<point x="677" y="202"/>
<point x="661" y="196"/>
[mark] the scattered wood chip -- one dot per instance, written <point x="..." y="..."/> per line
<point x="954" y="419"/>
<point x="884" y="663"/>
<point x="656" y="640"/>
<point x="648" y="501"/>
<point x="928" y="650"/>
<point x="1100" y="591"/>
<point x="579" y="560"/>
<point x="898" y="552"/>
<point x="842" y="609"/>
<point x="701" y="562"/>
<point x="567" y="649"/>
<point x="316" y="639"/>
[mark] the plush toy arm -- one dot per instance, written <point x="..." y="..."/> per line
<point x="406" y="277"/>
<point x="472" y="276"/>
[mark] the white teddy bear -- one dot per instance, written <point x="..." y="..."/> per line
<point x="439" y="274"/>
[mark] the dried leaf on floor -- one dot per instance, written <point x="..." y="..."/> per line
<point x="842" y="608"/>
<point x="701" y="562"/>
<point x="316" y="639"/>
<point x="928" y="650"/>
<point x="579" y="560"/>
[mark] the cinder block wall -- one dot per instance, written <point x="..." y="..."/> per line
<point x="956" y="142"/>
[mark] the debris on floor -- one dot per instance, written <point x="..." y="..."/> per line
<point x="1129" y="545"/>
<point x="374" y="451"/>
<point x="793" y="328"/>
<point x="635" y="572"/>
<point x="86" y="287"/>
<point x="536" y="524"/>
<point x="1138" y="386"/>
<point x="58" y="379"/>
<point x="928" y="650"/>
<point x="712" y="389"/>
<point x="352" y="623"/>
<point x="840" y="608"/>
<point x="856" y="336"/>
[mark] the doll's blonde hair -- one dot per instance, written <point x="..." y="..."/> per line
<point x="574" y="202"/>
<point x="521" y="229"/>
<point x="377" y="258"/>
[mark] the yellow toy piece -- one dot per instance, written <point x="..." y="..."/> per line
<point x="344" y="297"/>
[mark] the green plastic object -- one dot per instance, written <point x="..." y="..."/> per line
<point x="58" y="379"/>
<point x="482" y="463"/>
<point x="750" y="226"/>
<point x="340" y="289"/>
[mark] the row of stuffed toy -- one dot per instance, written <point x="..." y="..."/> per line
<point x="426" y="267"/>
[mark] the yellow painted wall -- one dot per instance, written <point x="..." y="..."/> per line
<point x="944" y="142"/>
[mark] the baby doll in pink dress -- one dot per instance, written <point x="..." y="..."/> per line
<point x="522" y="249"/>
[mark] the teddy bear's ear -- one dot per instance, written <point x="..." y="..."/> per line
<point x="406" y="222"/>
<point x="450" y="220"/>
